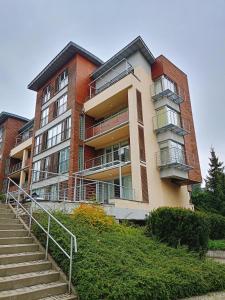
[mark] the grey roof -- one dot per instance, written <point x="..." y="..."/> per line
<point x="5" y="115"/>
<point x="136" y="45"/>
<point x="27" y="126"/>
<point x="59" y="61"/>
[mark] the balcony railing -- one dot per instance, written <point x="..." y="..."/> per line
<point x="108" y="124"/>
<point x="170" y="120"/>
<point x="106" y="161"/>
<point x="164" y="87"/>
<point x="15" y="168"/>
<point x="175" y="157"/>
<point x="115" y="73"/>
<point x="23" y="137"/>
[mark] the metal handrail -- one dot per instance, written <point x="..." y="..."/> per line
<point x="22" y="138"/>
<point x="73" y="240"/>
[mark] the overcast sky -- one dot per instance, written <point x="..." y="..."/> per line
<point x="190" y="33"/>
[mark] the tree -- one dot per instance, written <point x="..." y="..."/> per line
<point x="215" y="183"/>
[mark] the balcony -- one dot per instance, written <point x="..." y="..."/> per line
<point x="23" y="137"/>
<point x="112" y="128"/>
<point x="15" y="168"/>
<point x="106" y="165"/>
<point x="170" y="120"/>
<point x="111" y="76"/>
<point x="164" y="87"/>
<point x="175" y="163"/>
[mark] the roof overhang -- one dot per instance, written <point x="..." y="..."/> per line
<point x="5" y="115"/>
<point x="59" y="61"/>
<point x="136" y="45"/>
<point x="27" y="126"/>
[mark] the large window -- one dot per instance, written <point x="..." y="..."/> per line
<point x="62" y="80"/>
<point x="82" y="127"/>
<point x="64" y="160"/>
<point x="164" y="83"/>
<point x="61" y="105"/>
<point x="44" y="117"/>
<point x="36" y="171"/>
<point x="166" y="116"/>
<point x="54" y="136"/>
<point x="46" y="94"/>
<point x="37" y="146"/>
<point x="68" y="128"/>
<point x="172" y="152"/>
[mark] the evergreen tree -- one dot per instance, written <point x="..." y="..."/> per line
<point x="215" y="183"/>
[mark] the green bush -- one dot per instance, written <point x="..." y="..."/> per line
<point x="177" y="226"/>
<point x="122" y="263"/>
<point x="216" y="226"/>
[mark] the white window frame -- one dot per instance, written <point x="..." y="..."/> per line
<point x="46" y="94"/>
<point x="44" y="117"/>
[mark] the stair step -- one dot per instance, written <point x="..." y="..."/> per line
<point x="35" y="292"/>
<point x="18" y="248"/>
<point x="11" y="226"/>
<point x="24" y="267"/>
<point x="15" y="240"/>
<point x="61" y="297"/>
<point x="27" y="279"/>
<point x="21" y="257"/>
<point x="13" y="233"/>
<point x="8" y="215"/>
<point x="9" y="221"/>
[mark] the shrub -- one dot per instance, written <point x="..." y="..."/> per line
<point x="93" y="215"/>
<point x="2" y="198"/>
<point x="125" y="264"/>
<point x="216" y="226"/>
<point x="176" y="226"/>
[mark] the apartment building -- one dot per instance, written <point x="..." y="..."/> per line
<point x="19" y="161"/>
<point x="10" y="125"/>
<point x="118" y="132"/>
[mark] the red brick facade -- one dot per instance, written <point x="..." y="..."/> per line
<point x="163" y="66"/>
<point x="11" y="127"/>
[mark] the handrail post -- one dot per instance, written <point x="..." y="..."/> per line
<point x="71" y="262"/>
<point x="7" y="195"/>
<point x="30" y="221"/>
<point x="47" y="240"/>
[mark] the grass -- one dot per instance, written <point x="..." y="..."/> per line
<point x="216" y="245"/>
<point x="120" y="262"/>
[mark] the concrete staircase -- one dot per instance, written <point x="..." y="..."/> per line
<point x="24" y="273"/>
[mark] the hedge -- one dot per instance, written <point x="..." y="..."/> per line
<point x="216" y="225"/>
<point x="177" y="226"/>
<point x="120" y="262"/>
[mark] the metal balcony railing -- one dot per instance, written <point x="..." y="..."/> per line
<point x="106" y="161"/>
<point x="23" y="137"/>
<point x="108" y="124"/>
<point x="15" y="168"/>
<point x="164" y="87"/>
<point x="175" y="157"/>
<point x="111" y="76"/>
<point x="171" y="120"/>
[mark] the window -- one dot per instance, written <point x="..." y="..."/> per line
<point x="62" y="80"/>
<point x="36" y="171"/>
<point x="68" y="128"/>
<point x="44" y="117"/>
<point x="46" y="94"/>
<point x="61" y="105"/>
<point x="81" y="158"/>
<point x="82" y="127"/>
<point x="64" y="160"/>
<point x="139" y="107"/>
<point x="37" y="147"/>
<point x="167" y="115"/>
<point x="54" y="136"/>
<point x="172" y="152"/>
<point x="46" y="165"/>
<point x="164" y="83"/>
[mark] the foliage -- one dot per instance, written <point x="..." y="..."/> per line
<point x="216" y="244"/>
<point x="125" y="264"/>
<point x="216" y="225"/>
<point x="2" y="197"/>
<point x="177" y="226"/>
<point x="93" y="215"/>
<point x="212" y="198"/>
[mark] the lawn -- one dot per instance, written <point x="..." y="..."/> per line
<point x="121" y="262"/>
<point x="216" y="244"/>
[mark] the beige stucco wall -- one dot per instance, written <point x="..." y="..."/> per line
<point x="161" y="192"/>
